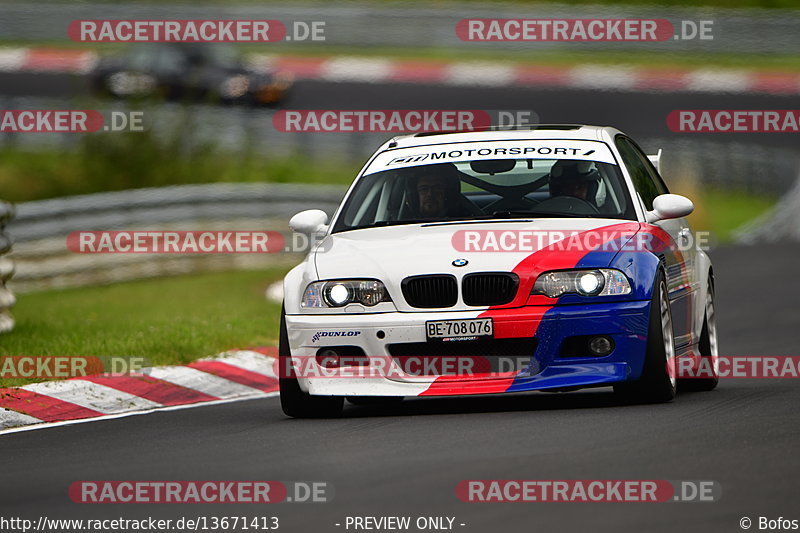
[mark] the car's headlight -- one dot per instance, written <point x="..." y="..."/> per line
<point x="596" y="282"/>
<point x="338" y="293"/>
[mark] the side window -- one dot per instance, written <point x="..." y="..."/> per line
<point x="651" y="170"/>
<point x="644" y="178"/>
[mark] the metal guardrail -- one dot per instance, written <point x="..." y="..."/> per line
<point x="414" y="24"/>
<point x="756" y="168"/>
<point x="163" y="205"/>
<point x="781" y="223"/>
<point x="7" y="299"/>
<point x="40" y="229"/>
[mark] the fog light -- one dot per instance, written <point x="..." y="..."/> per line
<point x="327" y="358"/>
<point x="601" y="345"/>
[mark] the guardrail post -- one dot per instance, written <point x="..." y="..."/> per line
<point x="7" y="299"/>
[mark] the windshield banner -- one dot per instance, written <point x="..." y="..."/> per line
<point x="454" y="152"/>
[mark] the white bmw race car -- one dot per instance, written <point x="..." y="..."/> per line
<point x="549" y="258"/>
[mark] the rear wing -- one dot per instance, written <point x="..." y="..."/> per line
<point x="656" y="160"/>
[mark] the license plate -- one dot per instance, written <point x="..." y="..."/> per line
<point x="467" y="329"/>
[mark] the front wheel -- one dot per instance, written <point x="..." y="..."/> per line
<point x="294" y="401"/>
<point x="659" y="374"/>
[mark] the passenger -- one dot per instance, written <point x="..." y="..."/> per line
<point x="574" y="178"/>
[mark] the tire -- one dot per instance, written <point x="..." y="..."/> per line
<point x="708" y="347"/>
<point x="658" y="383"/>
<point x="374" y="400"/>
<point x="294" y="401"/>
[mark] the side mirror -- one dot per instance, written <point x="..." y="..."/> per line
<point x="309" y="222"/>
<point x="668" y="206"/>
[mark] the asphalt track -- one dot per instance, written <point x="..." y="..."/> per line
<point x="407" y="460"/>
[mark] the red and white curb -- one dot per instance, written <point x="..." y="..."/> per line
<point x="231" y="376"/>
<point x="46" y="60"/>
<point x="474" y="73"/>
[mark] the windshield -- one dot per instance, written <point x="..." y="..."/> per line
<point x="487" y="189"/>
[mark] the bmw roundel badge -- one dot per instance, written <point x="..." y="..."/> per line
<point x="459" y="262"/>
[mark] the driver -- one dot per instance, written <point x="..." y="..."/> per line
<point x="437" y="187"/>
<point x="573" y="178"/>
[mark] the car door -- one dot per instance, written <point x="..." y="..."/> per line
<point x="679" y="260"/>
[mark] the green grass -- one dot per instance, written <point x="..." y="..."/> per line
<point x="112" y="162"/>
<point x="723" y="211"/>
<point x="166" y="320"/>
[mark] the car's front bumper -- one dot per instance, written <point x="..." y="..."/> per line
<point x="550" y="365"/>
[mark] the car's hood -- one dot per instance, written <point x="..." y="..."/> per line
<point x="393" y="253"/>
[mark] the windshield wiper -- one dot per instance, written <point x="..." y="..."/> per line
<point x="383" y="223"/>
<point x="529" y="214"/>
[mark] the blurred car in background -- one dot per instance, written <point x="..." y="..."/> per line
<point x="187" y="71"/>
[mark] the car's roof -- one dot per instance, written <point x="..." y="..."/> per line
<point x="532" y="132"/>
